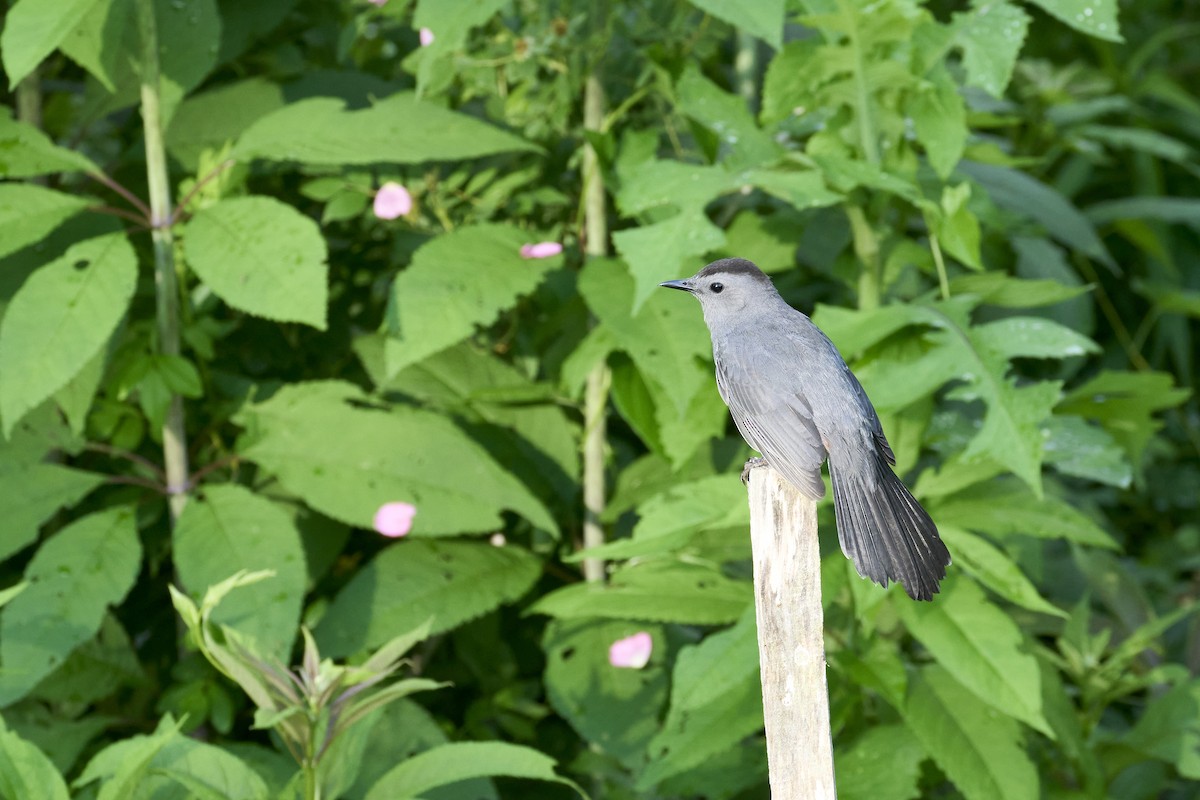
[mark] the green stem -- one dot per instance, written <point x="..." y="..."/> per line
<point x="939" y="261"/>
<point x="866" y="247"/>
<point x="866" y="126"/>
<point x="745" y="65"/>
<point x="595" y="402"/>
<point x="165" y="279"/>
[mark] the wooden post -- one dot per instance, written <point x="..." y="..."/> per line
<point x="791" y="638"/>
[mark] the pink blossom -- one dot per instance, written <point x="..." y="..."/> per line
<point x="392" y="200"/>
<point x="541" y="250"/>
<point x="426" y="36"/>
<point x="632" y="652"/>
<point x="395" y="519"/>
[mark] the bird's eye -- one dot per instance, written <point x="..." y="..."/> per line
<point x="717" y="288"/>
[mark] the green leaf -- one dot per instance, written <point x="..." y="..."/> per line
<point x="34" y="492"/>
<point x="1028" y="197"/>
<point x="957" y="228"/>
<point x="25" y="771"/>
<point x="1094" y="17"/>
<point x="261" y="256"/>
<point x="743" y="144"/>
<point x="761" y="18"/>
<point x="217" y="117"/>
<point x="692" y="734"/>
<point x="460" y="761"/>
<point x="397" y="130"/>
<point x="448" y="582"/>
<point x="675" y="184"/>
<point x="884" y="763"/>
<point x="664" y="337"/>
<point x="123" y="765"/>
<point x="990" y="35"/>
<point x="982" y="648"/>
<point x="704" y="671"/>
<point x="940" y="119"/>
<point x="656" y="591"/>
<point x="60" y="318"/>
<point x="346" y="461"/>
<point x="25" y="152"/>
<point x="32" y="31"/>
<point x="1032" y="337"/>
<point x="457" y="281"/>
<point x="228" y="528"/>
<point x="451" y="21"/>
<point x="998" y="289"/>
<point x="977" y="747"/>
<point x="1125" y="403"/>
<point x="655" y="252"/>
<point x="206" y="771"/>
<point x="1169" y="729"/>
<point x="103" y="42"/>
<point x="74" y="577"/>
<point x="615" y="709"/>
<point x="995" y="570"/>
<point x="95" y="670"/>
<point x="1005" y="508"/>
<point x="1174" y="210"/>
<point x="1074" y="447"/>
<point x="29" y="212"/>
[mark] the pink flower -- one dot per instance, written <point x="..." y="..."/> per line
<point x="426" y="37"/>
<point x="392" y="200"/>
<point x="395" y="519"/>
<point x="541" y="250"/>
<point x="632" y="652"/>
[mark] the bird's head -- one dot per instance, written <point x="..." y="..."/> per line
<point x="727" y="289"/>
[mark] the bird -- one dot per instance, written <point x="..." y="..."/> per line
<point x="794" y="400"/>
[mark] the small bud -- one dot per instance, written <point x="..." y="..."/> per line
<point x="632" y="652"/>
<point x="497" y="540"/>
<point x="541" y="250"/>
<point x="426" y="37"/>
<point x="392" y="201"/>
<point x="395" y="519"/>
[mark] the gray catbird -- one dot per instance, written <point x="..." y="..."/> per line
<point x="795" y="401"/>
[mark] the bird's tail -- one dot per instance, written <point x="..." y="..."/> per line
<point x="884" y="530"/>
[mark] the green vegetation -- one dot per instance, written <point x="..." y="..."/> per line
<point x="275" y="275"/>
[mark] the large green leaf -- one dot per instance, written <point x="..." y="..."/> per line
<point x="346" y="461"/>
<point x="450" y="21"/>
<point x="762" y="18"/>
<point x="990" y="35"/>
<point x="884" y="763"/>
<point x="1169" y="729"/>
<point x="32" y="493"/>
<point x="25" y="771"/>
<point x="995" y="570"/>
<point x="123" y="764"/>
<point x="692" y="733"/>
<point x="655" y="252"/>
<point x="61" y="317"/>
<point x="940" y="119"/>
<point x="743" y="144"/>
<point x="33" y="29"/>
<point x="446" y="582"/>
<point x="457" y="281"/>
<point x="982" y="648"/>
<point x="1004" y="508"/>
<point x="1075" y="447"/>
<point x="400" y="130"/>
<point x="977" y="747"/>
<point x="615" y="709"/>
<point x="25" y="151"/>
<point x="74" y="577"/>
<point x="656" y="591"/>
<point x="1094" y="17"/>
<point x="213" y="118"/>
<point x="228" y="528"/>
<point x="460" y="761"/>
<point x="28" y="212"/>
<point x="664" y="337"/>
<point x="261" y="256"/>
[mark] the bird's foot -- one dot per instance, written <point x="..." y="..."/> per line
<point x="752" y="463"/>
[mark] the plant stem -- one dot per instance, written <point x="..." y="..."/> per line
<point x="745" y="65"/>
<point x="595" y="402"/>
<point x="166" y="281"/>
<point x="866" y="247"/>
<point x="939" y="261"/>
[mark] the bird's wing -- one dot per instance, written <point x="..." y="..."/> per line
<point x="778" y="424"/>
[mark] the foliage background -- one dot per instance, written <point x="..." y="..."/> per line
<point x="988" y="206"/>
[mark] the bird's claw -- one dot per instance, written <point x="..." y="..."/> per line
<point x="752" y="463"/>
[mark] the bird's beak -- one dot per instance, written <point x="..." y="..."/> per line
<point x="682" y="285"/>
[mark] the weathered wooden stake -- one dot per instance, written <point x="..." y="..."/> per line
<point x="791" y="638"/>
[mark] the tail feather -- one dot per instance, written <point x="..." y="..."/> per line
<point x="884" y="530"/>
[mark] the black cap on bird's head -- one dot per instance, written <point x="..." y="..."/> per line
<point x="736" y="280"/>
